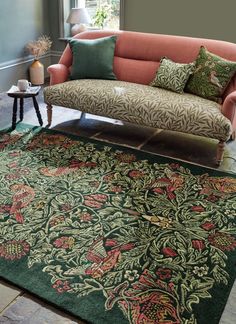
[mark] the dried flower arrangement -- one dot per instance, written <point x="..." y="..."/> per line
<point x="39" y="47"/>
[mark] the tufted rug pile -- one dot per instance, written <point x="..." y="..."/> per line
<point x="115" y="235"/>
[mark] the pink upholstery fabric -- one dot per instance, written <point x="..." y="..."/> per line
<point x="59" y="73"/>
<point x="143" y="47"/>
<point x="138" y="71"/>
<point x="137" y="57"/>
<point x="229" y="107"/>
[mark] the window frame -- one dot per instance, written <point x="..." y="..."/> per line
<point x="62" y="17"/>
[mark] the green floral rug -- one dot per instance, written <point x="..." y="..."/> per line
<point x="114" y="235"/>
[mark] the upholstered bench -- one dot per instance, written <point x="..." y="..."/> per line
<point x="131" y="98"/>
<point x="143" y="105"/>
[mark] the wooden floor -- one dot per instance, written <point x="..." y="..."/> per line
<point x="16" y="306"/>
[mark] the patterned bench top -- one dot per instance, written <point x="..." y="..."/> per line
<point x="143" y="105"/>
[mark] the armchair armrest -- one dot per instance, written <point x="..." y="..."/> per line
<point x="58" y="73"/>
<point x="229" y="108"/>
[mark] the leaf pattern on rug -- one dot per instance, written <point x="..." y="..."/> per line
<point x="151" y="238"/>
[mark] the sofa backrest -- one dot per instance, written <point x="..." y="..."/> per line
<point x="137" y="55"/>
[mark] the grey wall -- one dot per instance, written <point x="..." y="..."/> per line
<point x="202" y="18"/>
<point x="20" y="21"/>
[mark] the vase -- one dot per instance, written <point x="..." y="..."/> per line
<point x="37" y="73"/>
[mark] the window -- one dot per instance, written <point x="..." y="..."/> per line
<point x="105" y="14"/>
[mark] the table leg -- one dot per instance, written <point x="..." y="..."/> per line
<point x="21" y="109"/>
<point x="36" y="106"/>
<point x="14" y="113"/>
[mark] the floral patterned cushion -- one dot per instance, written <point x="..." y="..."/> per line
<point x="143" y="105"/>
<point x="211" y="76"/>
<point x="172" y="76"/>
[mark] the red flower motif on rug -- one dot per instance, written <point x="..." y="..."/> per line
<point x="198" y="245"/>
<point x="222" y="241"/>
<point x="169" y="252"/>
<point x="61" y="286"/>
<point x="208" y="226"/>
<point x="136" y="174"/>
<point x="13" y="250"/>
<point x="95" y="201"/>
<point x="64" y="242"/>
<point x="23" y="196"/>
<point x="164" y="273"/>
<point x="154" y="307"/>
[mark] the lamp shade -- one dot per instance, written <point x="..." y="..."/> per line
<point x="78" y="16"/>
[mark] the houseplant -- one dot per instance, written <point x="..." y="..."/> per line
<point x="38" y="48"/>
<point x="102" y="15"/>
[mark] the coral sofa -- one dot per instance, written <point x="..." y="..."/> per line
<point x="130" y="98"/>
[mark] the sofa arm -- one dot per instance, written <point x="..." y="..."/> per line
<point x="229" y="108"/>
<point x="58" y="73"/>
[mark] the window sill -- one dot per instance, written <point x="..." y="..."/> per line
<point x="69" y="37"/>
<point x="65" y="39"/>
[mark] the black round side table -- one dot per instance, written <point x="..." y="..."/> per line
<point x="21" y="96"/>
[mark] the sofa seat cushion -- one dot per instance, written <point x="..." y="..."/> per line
<point x="143" y="105"/>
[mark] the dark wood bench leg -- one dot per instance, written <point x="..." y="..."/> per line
<point x="14" y="113"/>
<point x="21" y="109"/>
<point x="49" y="114"/>
<point x="220" y="152"/>
<point x="36" y="107"/>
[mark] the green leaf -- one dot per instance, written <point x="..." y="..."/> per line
<point x="192" y="294"/>
<point x="220" y="275"/>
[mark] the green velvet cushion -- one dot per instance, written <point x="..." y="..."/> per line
<point x="172" y="76"/>
<point x="211" y="76"/>
<point x="93" y="58"/>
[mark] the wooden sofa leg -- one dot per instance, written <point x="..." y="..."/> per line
<point x="49" y="114"/>
<point x="233" y="136"/>
<point x="220" y="152"/>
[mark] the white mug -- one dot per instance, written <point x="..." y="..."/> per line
<point x="23" y="84"/>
